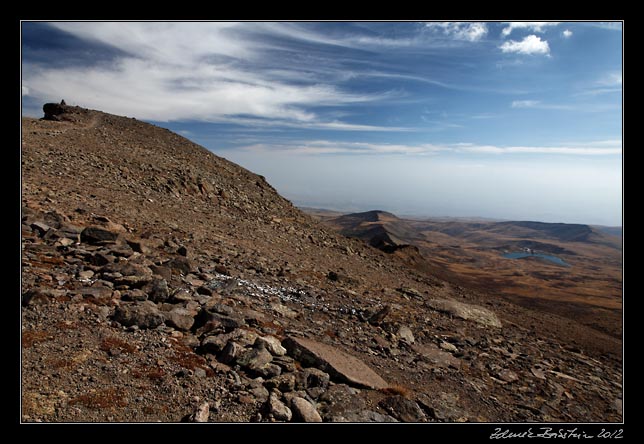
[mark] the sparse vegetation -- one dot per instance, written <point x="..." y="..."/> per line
<point x="150" y="372"/>
<point x="101" y="399"/>
<point x="31" y="337"/>
<point x="397" y="389"/>
<point x="191" y="360"/>
<point x="111" y="343"/>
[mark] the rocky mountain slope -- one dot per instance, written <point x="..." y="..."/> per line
<point x="163" y="283"/>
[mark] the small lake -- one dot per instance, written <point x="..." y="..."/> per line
<point x="522" y="254"/>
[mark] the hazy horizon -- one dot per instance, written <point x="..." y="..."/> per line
<point x="439" y="190"/>
<point x="502" y="120"/>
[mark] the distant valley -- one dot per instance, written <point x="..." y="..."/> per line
<point x="572" y="270"/>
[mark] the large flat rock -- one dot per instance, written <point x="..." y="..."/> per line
<point x="468" y="312"/>
<point x="435" y="356"/>
<point x="334" y="361"/>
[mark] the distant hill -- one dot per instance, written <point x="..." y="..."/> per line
<point x="613" y="231"/>
<point x="472" y="253"/>
<point x="380" y="229"/>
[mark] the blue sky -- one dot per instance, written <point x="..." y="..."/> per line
<point x="509" y="120"/>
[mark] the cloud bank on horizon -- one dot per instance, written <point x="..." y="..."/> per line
<point x="482" y="93"/>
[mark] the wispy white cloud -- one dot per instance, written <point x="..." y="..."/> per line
<point x="24" y="91"/>
<point x="537" y="104"/>
<point x="609" y="83"/>
<point x="387" y="42"/>
<point x="524" y="103"/>
<point x="325" y="125"/>
<point x="530" y="45"/>
<point x="592" y="148"/>
<point x="321" y="147"/>
<point x="610" y="26"/>
<point x="202" y="71"/>
<point x="599" y="91"/>
<point x="530" y="26"/>
<point x="611" y="79"/>
<point x="181" y="43"/>
<point x="567" y="33"/>
<point x="471" y="32"/>
<point x="574" y="151"/>
<point x="483" y="116"/>
<point x="331" y="147"/>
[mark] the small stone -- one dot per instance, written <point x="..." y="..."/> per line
<point x="215" y="343"/>
<point x="362" y="416"/>
<point x="98" y="293"/>
<point x="435" y="356"/>
<point x="141" y="314"/>
<point x="65" y="242"/>
<point x="181" y="296"/>
<point x="183" y="251"/>
<point x="180" y="318"/>
<point x="40" y="296"/>
<point x="122" y="250"/>
<point x="379" y="316"/>
<point x="40" y="227"/>
<point x="244" y="398"/>
<point x="508" y="375"/>
<point x="139" y="246"/>
<point x="201" y="414"/>
<point x="340" y="399"/>
<point x="85" y="274"/>
<point x="260" y="393"/>
<point x="618" y="406"/>
<point x="285" y="362"/>
<point x="410" y="292"/>
<point x="228" y="322"/>
<point x="469" y="312"/>
<point x="230" y="352"/>
<point x="181" y="264"/>
<point x="284" y="310"/>
<point x="132" y="281"/>
<point x="448" y="347"/>
<point x="272" y="344"/>
<point x="157" y="290"/>
<point x="406" y="335"/>
<point x="315" y="378"/>
<point x="288" y="397"/>
<point x="223" y="309"/>
<point x="101" y="259"/>
<point x="284" y="383"/>
<point x="204" y="290"/>
<point x="134" y="295"/>
<point x="160" y="270"/>
<point x="278" y="409"/>
<point x="98" y="235"/>
<point x="222" y="270"/>
<point x="267" y="371"/>
<point x="254" y="358"/>
<point x="304" y="411"/>
<point x="402" y="408"/>
<point x="538" y="373"/>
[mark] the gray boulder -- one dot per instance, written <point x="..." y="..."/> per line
<point x="142" y="314"/>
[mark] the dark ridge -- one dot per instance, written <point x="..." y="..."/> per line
<point x="564" y="232"/>
<point x="369" y="216"/>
